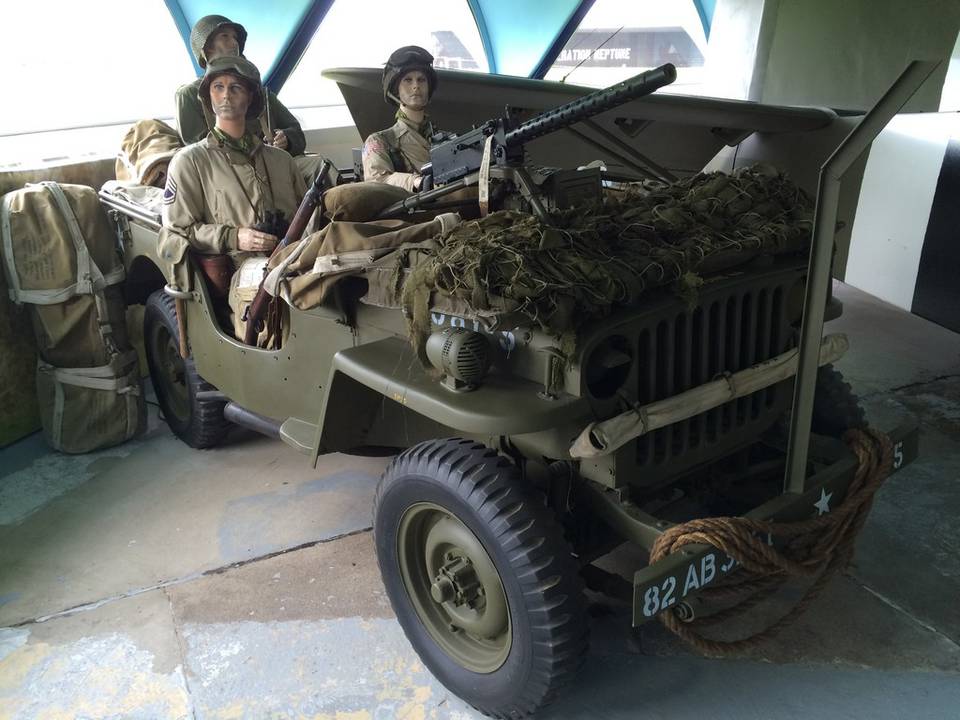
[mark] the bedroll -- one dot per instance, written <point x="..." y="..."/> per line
<point x="60" y="258"/>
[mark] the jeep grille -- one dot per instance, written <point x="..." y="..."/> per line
<point x="724" y="334"/>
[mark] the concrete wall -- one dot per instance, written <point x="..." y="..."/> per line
<point x="846" y="54"/>
<point x="825" y="52"/>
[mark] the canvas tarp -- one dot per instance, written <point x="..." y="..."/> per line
<point x="145" y="152"/>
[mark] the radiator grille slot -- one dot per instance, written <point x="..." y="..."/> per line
<point x="723" y="335"/>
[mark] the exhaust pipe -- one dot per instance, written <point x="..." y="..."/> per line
<point x="251" y="420"/>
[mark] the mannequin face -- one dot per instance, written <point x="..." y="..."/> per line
<point x="414" y="90"/>
<point x="229" y="97"/>
<point x="224" y="42"/>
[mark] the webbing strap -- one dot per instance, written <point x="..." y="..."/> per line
<point x="12" y="278"/>
<point x="53" y="297"/>
<point x="57" y="429"/>
<point x="90" y="280"/>
<point x="112" y="376"/>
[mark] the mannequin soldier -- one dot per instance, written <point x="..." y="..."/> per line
<point x="395" y="155"/>
<point x="220" y="188"/>
<point x="214" y="36"/>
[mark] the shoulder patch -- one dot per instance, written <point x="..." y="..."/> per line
<point x="170" y="191"/>
<point x="373" y="145"/>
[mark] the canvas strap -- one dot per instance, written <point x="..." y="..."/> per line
<point x="114" y="376"/>
<point x="90" y="280"/>
<point x="483" y="182"/>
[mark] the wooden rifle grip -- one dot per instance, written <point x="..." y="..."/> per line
<point x="254" y="314"/>
<point x="297" y="225"/>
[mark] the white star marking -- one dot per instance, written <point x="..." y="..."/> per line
<point x="823" y="504"/>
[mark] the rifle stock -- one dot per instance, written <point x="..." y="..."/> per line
<point x="311" y="199"/>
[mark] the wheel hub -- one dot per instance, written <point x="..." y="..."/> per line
<point x="457" y="583"/>
<point x="170" y="372"/>
<point x="455" y="587"/>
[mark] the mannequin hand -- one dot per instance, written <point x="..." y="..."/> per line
<point x="252" y="240"/>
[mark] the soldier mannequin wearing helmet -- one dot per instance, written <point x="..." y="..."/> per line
<point x="216" y="36"/>
<point x="395" y="155"/>
<point x="218" y="189"/>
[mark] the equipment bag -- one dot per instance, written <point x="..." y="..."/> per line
<point x="60" y="258"/>
<point x="243" y="289"/>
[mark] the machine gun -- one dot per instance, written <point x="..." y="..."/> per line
<point x="457" y="162"/>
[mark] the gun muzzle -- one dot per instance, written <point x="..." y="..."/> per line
<point x="593" y="104"/>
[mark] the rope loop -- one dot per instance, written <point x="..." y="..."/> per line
<point x="816" y="547"/>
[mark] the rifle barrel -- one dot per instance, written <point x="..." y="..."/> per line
<point x="593" y="104"/>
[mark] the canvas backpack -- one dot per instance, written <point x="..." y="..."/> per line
<point x="60" y="259"/>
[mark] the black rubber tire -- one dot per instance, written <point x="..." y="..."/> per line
<point x="539" y="576"/>
<point x="836" y="408"/>
<point x="198" y="422"/>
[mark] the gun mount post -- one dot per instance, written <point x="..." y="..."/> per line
<point x="821" y="250"/>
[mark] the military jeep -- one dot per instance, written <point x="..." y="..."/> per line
<point x="487" y="522"/>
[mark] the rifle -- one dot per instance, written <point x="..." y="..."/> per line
<point x="454" y="162"/>
<point x="256" y="309"/>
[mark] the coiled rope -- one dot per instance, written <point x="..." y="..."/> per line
<point x="815" y="548"/>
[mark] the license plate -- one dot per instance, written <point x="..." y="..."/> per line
<point x="684" y="573"/>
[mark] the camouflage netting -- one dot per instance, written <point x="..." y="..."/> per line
<point x="594" y="260"/>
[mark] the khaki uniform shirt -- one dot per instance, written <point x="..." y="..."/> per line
<point x="395" y="155"/>
<point x="204" y="204"/>
<point x="192" y="123"/>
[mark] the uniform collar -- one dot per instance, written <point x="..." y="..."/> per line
<point x="249" y="146"/>
<point x="405" y="124"/>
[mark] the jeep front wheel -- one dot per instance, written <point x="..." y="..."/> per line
<point x="479" y="575"/>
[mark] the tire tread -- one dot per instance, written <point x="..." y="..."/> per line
<point x="550" y="583"/>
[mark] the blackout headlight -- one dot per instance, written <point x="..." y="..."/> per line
<point x="608" y="366"/>
<point x="463" y="356"/>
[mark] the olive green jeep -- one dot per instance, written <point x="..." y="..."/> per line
<point x="521" y="462"/>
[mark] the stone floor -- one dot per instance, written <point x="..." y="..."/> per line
<point x="155" y="581"/>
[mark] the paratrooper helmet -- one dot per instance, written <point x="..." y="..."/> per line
<point x="402" y="61"/>
<point x="205" y="28"/>
<point x="242" y="68"/>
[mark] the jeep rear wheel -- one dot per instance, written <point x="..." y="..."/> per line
<point x="196" y="420"/>
<point x="479" y="575"/>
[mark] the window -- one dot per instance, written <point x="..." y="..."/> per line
<point x="71" y="64"/>
<point x="617" y="40"/>
<point x="363" y="33"/>
<point x="84" y="65"/>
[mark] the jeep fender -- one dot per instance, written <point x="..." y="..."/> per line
<point x="361" y="377"/>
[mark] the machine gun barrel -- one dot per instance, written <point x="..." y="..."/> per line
<point x="592" y="104"/>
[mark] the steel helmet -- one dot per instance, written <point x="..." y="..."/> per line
<point x="402" y="61"/>
<point x="205" y="28"/>
<point x="242" y="68"/>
